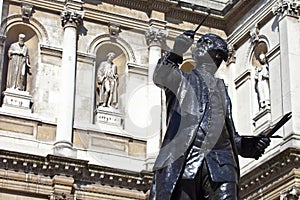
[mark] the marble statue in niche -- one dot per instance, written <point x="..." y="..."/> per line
<point x="19" y="66"/>
<point x="262" y="86"/>
<point x="107" y="80"/>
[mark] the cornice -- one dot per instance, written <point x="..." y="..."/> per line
<point x="137" y="69"/>
<point x="270" y="171"/>
<point x="54" y="6"/>
<point x="223" y="20"/>
<point x="242" y="32"/>
<point x="79" y="170"/>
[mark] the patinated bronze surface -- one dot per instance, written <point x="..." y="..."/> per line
<point x="198" y="157"/>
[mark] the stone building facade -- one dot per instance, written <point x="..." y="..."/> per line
<point x="87" y="127"/>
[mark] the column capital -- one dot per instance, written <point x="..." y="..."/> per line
<point x="156" y="36"/>
<point x="292" y="193"/>
<point x="287" y="7"/>
<point x="71" y="17"/>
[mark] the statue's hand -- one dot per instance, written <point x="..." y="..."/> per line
<point x="183" y="42"/>
<point x="254" y="146"/>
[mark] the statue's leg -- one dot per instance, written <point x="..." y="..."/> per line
<point x="217" y="190"/>
<point x="185" y="190"/>
<point x="111" y="89"/>
<point x="106" y="92"/>
<point x="224" y="191"/>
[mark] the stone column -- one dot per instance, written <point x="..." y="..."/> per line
<point x="155" y="38"/>
<point x="71" y="19"/>
<point x="1" y="8"/>
<point x="2" y="42"/>
<point x="288" y="22"/>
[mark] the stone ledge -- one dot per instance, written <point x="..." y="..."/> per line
<point x="265" y="176"/>
<point x="79" y="170"/>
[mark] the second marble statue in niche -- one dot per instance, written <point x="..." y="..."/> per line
<point x="262" y="82"/>
<point x="107" y="80"/>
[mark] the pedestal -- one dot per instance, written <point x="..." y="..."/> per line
<point x="108" y="116"/>
<point x="15" y="99"/>
<point x="262" y="120"/>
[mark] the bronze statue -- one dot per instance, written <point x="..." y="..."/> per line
<point x="107" y="79"/>
<point x="18" y="67"/>
<point x="198" y="158"/>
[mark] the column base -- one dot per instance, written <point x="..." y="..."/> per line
<point x="65" y="149"/>
<point x="150" y="162"/>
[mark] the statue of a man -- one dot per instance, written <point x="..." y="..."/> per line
<point x="18" y="67"/>
<point x="198" y="158"/>
<point x="262" y="82"/>
<point x="107" y="79"/>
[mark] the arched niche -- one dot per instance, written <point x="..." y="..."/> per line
<point x="260" y="77"/>
<point x="260" y="48"/>
<point x="31" y="41"/>
<point x="115" y="113"/>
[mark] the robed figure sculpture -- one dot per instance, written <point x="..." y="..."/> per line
<point x="18" y="66"/>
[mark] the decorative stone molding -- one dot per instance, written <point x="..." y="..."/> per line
<point x="27" y="9"/>
<point x="64" y="172"/>
<point x="231" y="54"/>
<point x="288" y="7"/>
<point x="137" y="69"/>
<point x="114" y="30"/>
<point x="292" y="193"/>
<point x="2" y="39"/>
<point x="156" y="37"/>
<point x="266" y="175"/>
<point x="254" y="34"/>
<point x="71" y="16"/>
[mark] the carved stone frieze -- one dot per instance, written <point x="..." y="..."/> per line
<point x="65" y="169"/>
<point x="156" y="37"/>
<point x="289" y="7"/>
